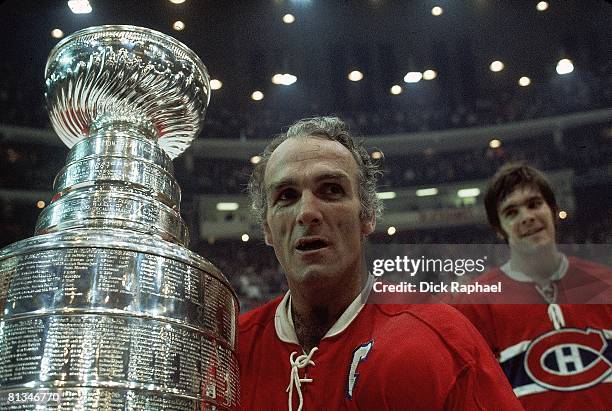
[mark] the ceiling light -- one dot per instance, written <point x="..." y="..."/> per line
<point x="562" y="215"/>
<point x="178" y="25"/>
<point x="376" y="155"/>
<point x="437" y="10"/>
<point x="496" y="66"/>
<point x="245" y="237"/>
<point x="79" y="6"/>
<point x="215" y="84"/>
<point x="257" y="95"/>
<point x="289" y="79"/>
<point x="524" y="81"/>
<point x="542" y="6"/>
<point x="391" y="230"/>
<point x="355" y="75"/>
<point x="227" y="206"/>
<point x="468" y="192"/>
<point x="288" y="18"/>
<point x="255" y="159"/>
<point x="495" y="143"/>
<point x="40" y="204"/>
<point x="424" y="192"/>
<point x="386" y="195"/>
<point x="413" y="77"/>
<point x="284" y="79"/>
<point x="57" y="33"/>
<point x="565" y="66"/>
<point x="396" y="89"/>
<point x="277" y="78"/>
<point x="177" y="1"/>
<point x="429" y="74"/>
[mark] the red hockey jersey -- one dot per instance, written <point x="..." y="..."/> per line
<point x="564" y="368"/>
<point x="376" y="357"/>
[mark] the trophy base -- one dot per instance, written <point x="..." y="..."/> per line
<point x="116" y="320"/>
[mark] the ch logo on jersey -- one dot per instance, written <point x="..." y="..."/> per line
<point x="568" y="359"/>
<point x="359" y="355"/>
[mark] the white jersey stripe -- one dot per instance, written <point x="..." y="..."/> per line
<point x="513" y="350"/>
<point x="528" y="389"/>
<point x="535" y="388"/>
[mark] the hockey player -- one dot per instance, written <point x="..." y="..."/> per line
<point x="321" y="346"/>
<point x="555" y="355"/>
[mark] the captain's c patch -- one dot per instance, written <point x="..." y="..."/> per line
<point x="359" y="354"/>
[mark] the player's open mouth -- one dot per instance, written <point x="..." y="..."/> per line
<point x="532" y="232"/>
<point x="308" y="244"/>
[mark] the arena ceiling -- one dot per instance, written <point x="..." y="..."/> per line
<point x="244" y="43"/>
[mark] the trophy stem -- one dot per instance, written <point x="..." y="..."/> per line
<point x="124" y="124"/>
<point x="117" y="178"/>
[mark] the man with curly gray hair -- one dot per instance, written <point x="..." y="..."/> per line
<point x="314" y="193"/>
<point x="334" y="129"/>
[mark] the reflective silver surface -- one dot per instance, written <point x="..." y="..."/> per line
<point x="121" y="169"/>
<point x="116" y="311"/>
<point x="117" y="143"/>
<point x="124" y="74"/>
<point x="113" y="206"/>
<point x="105" y="308"/>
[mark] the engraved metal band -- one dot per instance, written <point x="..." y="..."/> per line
<point x="113" y="207"/>
<point x="120" y="169"/>
<point x="120" y="143"/>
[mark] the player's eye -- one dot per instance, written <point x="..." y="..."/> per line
<point x="333" y="189"/>
<point x="286" y="195"/>
<point x="510" y="213"/>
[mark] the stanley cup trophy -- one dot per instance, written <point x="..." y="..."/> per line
<point x="105" y="308"/>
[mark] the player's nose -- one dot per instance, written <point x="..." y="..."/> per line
<point x="308" y="211"/>
<point x="526" y="215"/>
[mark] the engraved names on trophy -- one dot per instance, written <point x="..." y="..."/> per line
<point x="113" y="206"/>
<point x="119" y="145"/>
<point x="20" y="352"/>
<point x="130" y="171"/>
<point x="123" y="279"/>
<point x="112" y="348"/>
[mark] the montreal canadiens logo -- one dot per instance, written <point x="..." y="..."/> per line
<point x="568" y="359"/>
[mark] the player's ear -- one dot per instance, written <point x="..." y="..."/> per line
<point x="267" y="234"/>
<point x="368" y="225"/>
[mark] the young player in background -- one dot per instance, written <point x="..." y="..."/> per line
<point x="555" y="355"/>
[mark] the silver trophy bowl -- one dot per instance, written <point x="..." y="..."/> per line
<point x="114" y="75"/>
<point x="105" y="308"/>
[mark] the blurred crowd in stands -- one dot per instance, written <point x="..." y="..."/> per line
<point x="32" y="166"/>
<point x="22" y="103"/>
<point x="417" y="110"/>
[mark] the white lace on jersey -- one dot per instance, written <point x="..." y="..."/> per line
<point x="294" y="377"/>
<point x="556" y="316"/>
<point x="549" y="292"/>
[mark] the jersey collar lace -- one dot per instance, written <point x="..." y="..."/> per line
<point x="283" y="323"/>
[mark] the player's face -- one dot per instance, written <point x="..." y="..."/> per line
<point x="313" y="212"/>
<point x="526" y="219"/>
